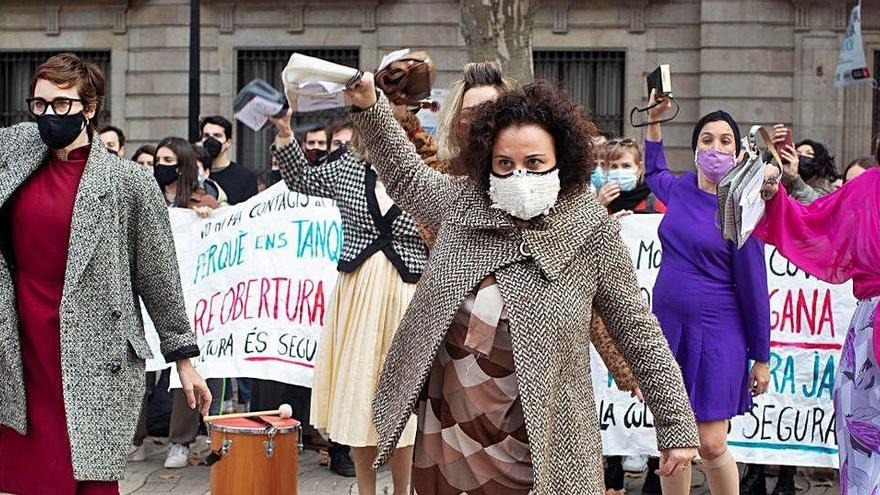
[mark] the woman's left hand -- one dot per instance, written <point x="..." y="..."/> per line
<point x="674" y="461"/>
<point x="194" y="386"/>
<point x="759" y="379"/>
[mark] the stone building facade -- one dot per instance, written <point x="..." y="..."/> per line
<point x="765" y="61"/>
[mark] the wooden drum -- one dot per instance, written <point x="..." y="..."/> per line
<point x="255" y="456"/>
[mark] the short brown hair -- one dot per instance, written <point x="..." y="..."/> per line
<point x="541" y="104"/>
<point x="66" y="70"/>
<point x="615" y="149"/>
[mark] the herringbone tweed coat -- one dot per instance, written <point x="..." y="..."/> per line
<point x="120" y="249"/>
<point x="551" y="273"/>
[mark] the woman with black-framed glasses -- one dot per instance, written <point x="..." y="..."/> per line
<point x="61" y="105"/>
<point x="84" y="237"/>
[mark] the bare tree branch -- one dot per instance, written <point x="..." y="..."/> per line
<point x="501" y="31"/>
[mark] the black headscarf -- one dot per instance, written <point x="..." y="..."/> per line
<point x="716" y="116"/>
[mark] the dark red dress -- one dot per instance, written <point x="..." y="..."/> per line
<point x="42" y="209"/>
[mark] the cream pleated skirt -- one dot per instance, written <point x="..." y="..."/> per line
<point x="365" y="310"/>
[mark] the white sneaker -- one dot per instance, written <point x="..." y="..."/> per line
<point x="178" y="456"/>
<point x="635" y="463"/>
<point x="228" y="407"/>
<point x="137" y="453"/>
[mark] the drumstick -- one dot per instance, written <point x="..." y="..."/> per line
<point x="284" y="410"/>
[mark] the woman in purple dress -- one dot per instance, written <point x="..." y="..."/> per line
<point x="710" y="298"/>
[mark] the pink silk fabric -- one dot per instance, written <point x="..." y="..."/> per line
<point x="835" y="239"/>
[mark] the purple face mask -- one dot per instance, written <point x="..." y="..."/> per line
<point x="714" y="164"/>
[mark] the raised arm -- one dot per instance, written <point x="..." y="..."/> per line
<point x="427" y="149"/>
<point x="660" y="179"/>
<point x="421" y="191"/>
<point x="637" y="334"/>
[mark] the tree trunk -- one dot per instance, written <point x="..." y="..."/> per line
<point x="500" y="31"/>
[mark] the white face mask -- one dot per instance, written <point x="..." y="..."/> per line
<point x="523" y="194"/>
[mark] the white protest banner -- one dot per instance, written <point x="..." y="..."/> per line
<point x="851" y="65"/>
<point x="258" y="276"/>
<point x="257" y="279"/>
<point x="793" y="423"/>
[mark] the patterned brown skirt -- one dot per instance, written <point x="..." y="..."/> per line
<point x="471" y="431"/>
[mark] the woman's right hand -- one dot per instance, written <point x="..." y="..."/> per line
<point x="282" y="124"/>
<point x="657" y="112"/>
<point x="609" y="192"/>
<point x="654" y="133"/>
<point x="363" y="93"/>
<point x="675" y="460"/>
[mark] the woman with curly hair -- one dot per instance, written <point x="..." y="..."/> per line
<point x="809" y="171"/>
<point x="492" y="352"/>
<point x="478" y="83"/>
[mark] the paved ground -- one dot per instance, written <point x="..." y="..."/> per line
<point x="148" y="478"/>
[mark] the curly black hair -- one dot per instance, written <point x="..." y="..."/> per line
<point x="543" y="104"/>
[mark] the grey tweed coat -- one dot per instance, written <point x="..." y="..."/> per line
<point x="120" y="249"/>
<point x="551" y="274"/>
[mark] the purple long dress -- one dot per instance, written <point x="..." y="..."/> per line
<point x="710" y="298"/>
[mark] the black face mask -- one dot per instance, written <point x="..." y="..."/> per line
<point x="274" y="177"/>
<point x="807" y="167"/>
<point x="165" y="174"/>
<point x="213" y="147"/>
<point x="315" y="156"/>
<point x="336" y="154"/>
<point x="112" y="152"/>
<point x="58" y="131"/>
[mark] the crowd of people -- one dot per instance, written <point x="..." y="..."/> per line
<point x="202" y="177"/>
<point x="454" y="347"/>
